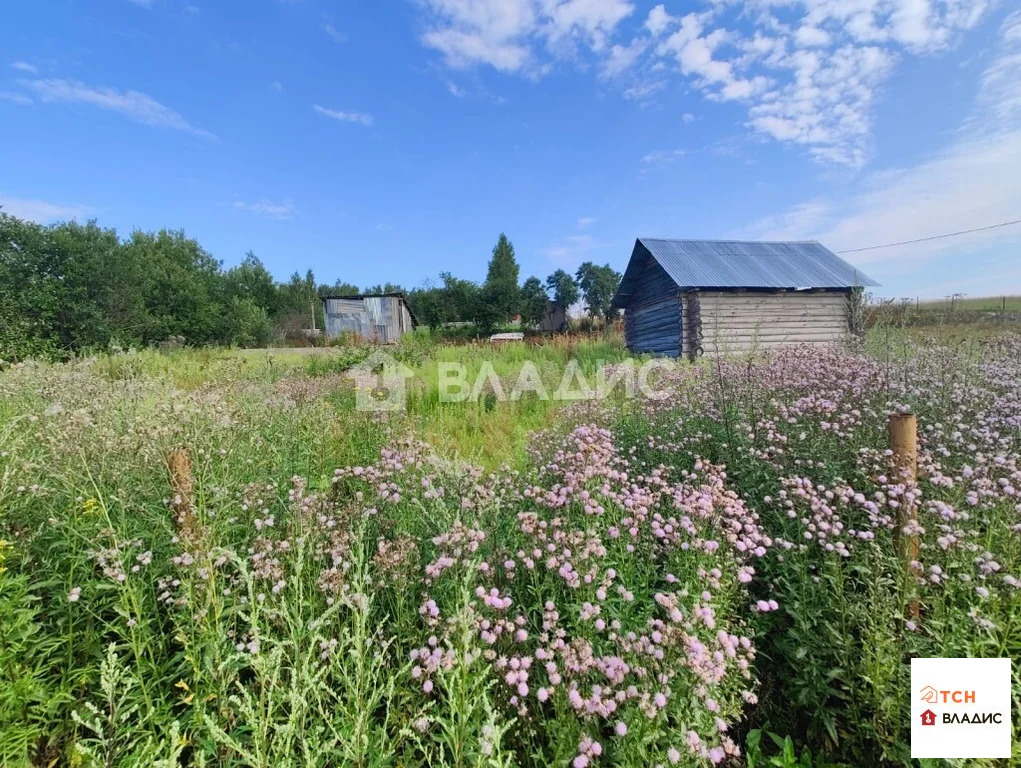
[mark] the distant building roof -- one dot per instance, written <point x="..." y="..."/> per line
<point x="741" y="264"/>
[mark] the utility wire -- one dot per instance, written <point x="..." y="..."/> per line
<point x="933" y="237"/>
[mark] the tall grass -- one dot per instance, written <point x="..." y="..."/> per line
<point x="495" y="583"/>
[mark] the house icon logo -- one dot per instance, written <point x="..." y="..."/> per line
<point x="380" y="383"/>
<point x="928" y="717"/>
<point x="929" y="695"/>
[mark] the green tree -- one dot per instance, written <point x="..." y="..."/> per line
<point x="299" y="302"/>
<point x="250" y="279"/>
<point x="500" y="296"/>
<point x="385" y="288"/>
<point x="428" y="304"/>
<point x="598" y="285"/>
<point x="563" y="289"/>
<point x="246" y="324"/>
<point x="534" y="302"/>
<point x="339" y="288"/>
<point x="30" y="290"/>
<point x="182" y="287"/>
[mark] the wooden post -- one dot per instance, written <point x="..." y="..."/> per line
<point x="181" y="482"/>
<point x="902" y="434"/>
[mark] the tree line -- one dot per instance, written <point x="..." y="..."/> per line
<point x="76" y="286"/>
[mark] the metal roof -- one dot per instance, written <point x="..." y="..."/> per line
<point x="741" y="264"/>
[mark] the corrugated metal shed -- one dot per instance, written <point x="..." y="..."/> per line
<point x="375" y="317"/>
<point x="740" y="264"/>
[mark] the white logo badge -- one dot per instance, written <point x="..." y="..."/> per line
<point x="960" y="708"/>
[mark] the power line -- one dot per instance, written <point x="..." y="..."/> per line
<point x="933" y="237"/>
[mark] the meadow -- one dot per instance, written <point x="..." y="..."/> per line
<point x="212" y="558"/>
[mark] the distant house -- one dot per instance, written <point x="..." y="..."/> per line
<point x="379" y="317"/>
<point x="555" y="319"/>
<point x="693" y="297"/>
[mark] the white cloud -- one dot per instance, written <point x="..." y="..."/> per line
<point x="335" y="34"/>
<point x="662" y="157"/>
<point x="347" y="117"/>
<point x="136" y="106"/>
<point x="40" y="210"/>
<point x="808" y="72"/>
<point x="687" y="118"/>
<point x="271" y="210"/>
<point x="590" y="20"/>
<point x="999" y="99"/>
<point x="642" y="91"/>
<point x="276" y="86"/>
<point x="14" y="96"/>
<point x="972" y="182"/>
<point x="695" y="54"/>
<point x="586" y="221"/>
<point x="658" y="20"/>
<point x="621" y="58"/>
<point x="142" y="3"/>
<point x="24" y="66"/>
<point x="572" y="250"/>
<point x="456" y="90"/>
<point x="510" y="35"/>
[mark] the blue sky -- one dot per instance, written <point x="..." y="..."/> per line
<point x="393" y="140"/>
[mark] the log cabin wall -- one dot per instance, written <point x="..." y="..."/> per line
<point x="734" y="322"/>
<point x="653" y="321"/>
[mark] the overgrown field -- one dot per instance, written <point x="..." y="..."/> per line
<point x="680" y="581"/>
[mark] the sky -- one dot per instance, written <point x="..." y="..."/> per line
<point x="392" y="140"/>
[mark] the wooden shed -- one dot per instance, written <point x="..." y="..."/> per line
<point x="693" y="297"/>
<point x="379" y="317"/>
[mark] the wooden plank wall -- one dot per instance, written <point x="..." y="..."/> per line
<point x="652" y="320"/>
<point x="737" y="322"/>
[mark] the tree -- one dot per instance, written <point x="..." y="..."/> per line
<point x="563" y="289"/>
<point x="299" y="302"/>
<point x="427" y="304"/>
<point x="534" y="302"/>
<point x="251" y="280"/>
<point x="501" y="295"/>
<point x="598" y="285"/>
<point x="30" y="290"/>
<point x="385" y="288"/>
<point x="460" y="298"/>
<point x="246" y="324"/>
<point x="181" y="287"/>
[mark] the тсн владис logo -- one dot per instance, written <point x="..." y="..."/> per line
<point x="960" y="708"/>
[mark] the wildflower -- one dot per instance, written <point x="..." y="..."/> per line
<point x="74" y="595"/>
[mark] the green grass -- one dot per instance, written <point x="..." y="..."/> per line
<point x="278" y="610"/>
